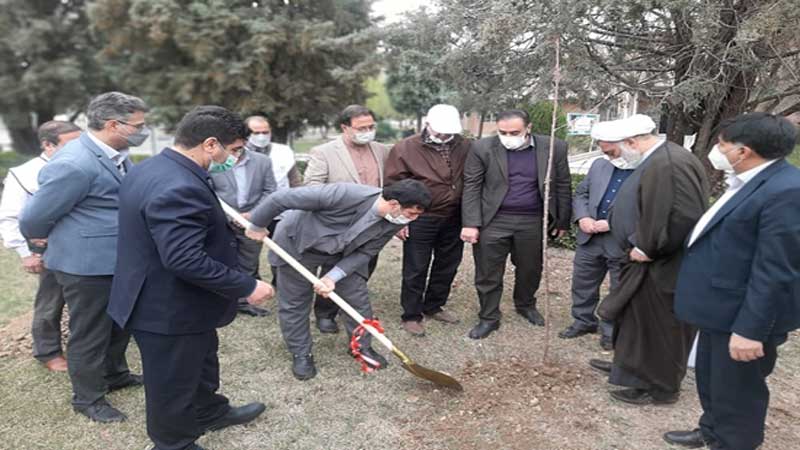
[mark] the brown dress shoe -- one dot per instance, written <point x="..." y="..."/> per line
<point x="414" y="328"/>
<point x="57" y="364"/>
<point x="444" y="316"/>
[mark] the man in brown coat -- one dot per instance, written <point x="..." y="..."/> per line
<point x="436" y="157"/>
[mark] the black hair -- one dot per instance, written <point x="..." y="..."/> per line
<point x="769" y="135"/>
<point x="408" y="193"/>
<point x="514" y="113"/>
<point x="51" y="131"/>
<point x="208" y="121"/>
<point x="352" y="111"/>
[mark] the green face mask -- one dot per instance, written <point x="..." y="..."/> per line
<point x="216" y="167"/>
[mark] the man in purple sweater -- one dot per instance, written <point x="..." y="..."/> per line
<point x="502" y="213"/>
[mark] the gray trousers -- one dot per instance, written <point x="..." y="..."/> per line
<point x="96" y="346"/>
<point x="48" y="306"/>
<point x="520" y="236"/>
<point x="592" y="261"/>
<point x="248" y="257"/>
<point x="296" y="295"/>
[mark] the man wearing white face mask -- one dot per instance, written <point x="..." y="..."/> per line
<point x="338" y="229"/>
<point x="502" y="213"/>
<point x="436" y="157"/>
<point x="654" y="211"/>
<point x="353" y="157"/>
<point x="596" y="253"/>
<point x="740" y="279"/>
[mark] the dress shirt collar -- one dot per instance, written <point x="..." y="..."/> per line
<point x="736" y="181"/>
<point x="114" y="155"/>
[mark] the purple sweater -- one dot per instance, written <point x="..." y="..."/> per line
<point x="523" y="197"/>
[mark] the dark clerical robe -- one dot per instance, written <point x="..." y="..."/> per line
<point x="655" y="210"/>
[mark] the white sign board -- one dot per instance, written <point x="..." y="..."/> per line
<point x="580" y="124"/>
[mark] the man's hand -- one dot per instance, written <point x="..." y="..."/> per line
<point x="33" y="263"/>
<point x="246" y="215"/>
<point x="637" y="256"/>
<point x="601" y="226"/>
<point x="557" y="234"/>
<point x="256" y="233"/>
<point x="402" y="234"/>
<point x="743" y="349"/>
<point x="325" y="287"/>
<point x="586" y="225"/>
<point x="470" y="235"/>
<point x="262" y="293"/>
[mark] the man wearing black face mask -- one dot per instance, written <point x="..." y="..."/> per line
<point x="436" y="157"/>
<point x="75" y="209"/>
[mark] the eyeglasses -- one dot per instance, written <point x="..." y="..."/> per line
<point x="138" y="126"/>
<point x="365" y="128"/>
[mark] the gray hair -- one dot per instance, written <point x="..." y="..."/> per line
<point x="256" y="118"/>
<point x="113" y="106"/>
<point x="52" y="130"/>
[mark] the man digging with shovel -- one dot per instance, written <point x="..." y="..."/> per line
<point x="337" y="228"/>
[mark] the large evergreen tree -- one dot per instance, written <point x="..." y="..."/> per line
<point x="47" y="65"/>
<point x="299" y="62"/>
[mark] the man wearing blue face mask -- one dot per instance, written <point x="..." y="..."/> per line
<point x="740" y="279"/>
<point x="75" y="210"/>
<point x="337" y="228"/>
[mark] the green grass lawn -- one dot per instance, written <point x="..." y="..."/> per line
<point x="794" y="158"/>
<point x="18" y="287"/>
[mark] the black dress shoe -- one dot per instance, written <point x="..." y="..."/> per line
<point x="303" y="367"/>
<point x="606" y="343"/>
<point x="688" y="439"/>
<point x="131" y="381"/>
<point x="483" y="329"/>
<point x="533" y="316"/>
<point x="237" y="416"/>
<point x="327" y="325"/>
<point x="645" y="397"/>
<point x="370" y="354"/>
<point x="572" y="332"/>
<point x="250" y="310"/>
<point x="602" y="366"/>
<point x="101" y="411"/>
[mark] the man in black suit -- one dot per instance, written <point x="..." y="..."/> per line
<point x="176" y="280"/>
<point x="502" y="210"/>
<point x="740" y="279"/>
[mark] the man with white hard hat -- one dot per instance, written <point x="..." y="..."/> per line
<point x="436" y="157"/>
<point x="653" y="213"/>
<point x="596" y="253"/>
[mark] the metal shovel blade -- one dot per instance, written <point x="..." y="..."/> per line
<point x="437" y="378"/>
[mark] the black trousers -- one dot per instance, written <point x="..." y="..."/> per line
<point x="96" y="346"/>
<point x="48" y="306"/>
<point x="733" y="394"/>
<point x="437" y="237"/>
<point x="520" y="236"/>
<point x="325" y="308"/>
<point x="181" y="379"/>
<point x="248" y="257"/>
<point x="271" y="228"/>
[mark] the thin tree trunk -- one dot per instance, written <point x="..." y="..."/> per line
<point x="480" y="124"/>
<point x="546" y="215"/>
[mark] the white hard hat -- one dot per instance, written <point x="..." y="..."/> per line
<point x="444" y="119"/>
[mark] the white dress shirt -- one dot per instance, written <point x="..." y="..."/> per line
<point x="117" y="157"/>
<point x="735" y="183"/>
<point x="20" y="184"/>
<point x="242" y="182"/>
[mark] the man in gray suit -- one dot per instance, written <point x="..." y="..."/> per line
<point x="502" y="211"/>
<point x="75" y="211"/>
<point x="246" y="185"/>
<point x="597" y="253"/>
<point x="337" y="228"/>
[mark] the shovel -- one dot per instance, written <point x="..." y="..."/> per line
<point x="438" y="378"/>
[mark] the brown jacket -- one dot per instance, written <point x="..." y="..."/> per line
<point x="413" y="158"/>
